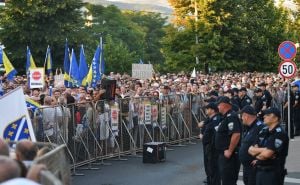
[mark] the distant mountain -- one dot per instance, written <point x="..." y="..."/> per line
<point x="134" y="6"/>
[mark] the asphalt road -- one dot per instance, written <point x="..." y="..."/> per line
<point x="183" y="166"/>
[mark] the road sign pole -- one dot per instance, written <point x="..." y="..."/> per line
<point x="289" y="110"/>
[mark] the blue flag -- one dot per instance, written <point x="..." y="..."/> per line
<point x="67" y="78"/>
<point x="30" y="64"/>
<point x="94" y="72"/>
<point x="74" y="71"/>
<point x="83" y="68"/>
<point x="141" y="61"/>
<point x="48" y="62"/>
<point x="17" y="130"/>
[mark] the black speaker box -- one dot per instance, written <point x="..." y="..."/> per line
<point x="110" y="88"/>
<point x="154" y="152"/>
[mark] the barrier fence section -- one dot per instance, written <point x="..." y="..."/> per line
<point x="94" y="131"/>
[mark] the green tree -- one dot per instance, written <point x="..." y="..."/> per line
<point x="37" y="24"/>
<point x="153" y="25"/>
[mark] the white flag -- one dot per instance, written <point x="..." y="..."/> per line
<point x="14" y="118"/>
<point x="193" y="75"/>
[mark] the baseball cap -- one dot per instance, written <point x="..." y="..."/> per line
<point x="213" y="106"/>
<point x="274" y="111"/>
<point x="248" y="110"/>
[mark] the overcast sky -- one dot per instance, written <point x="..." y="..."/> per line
<point x="155" y="2"/>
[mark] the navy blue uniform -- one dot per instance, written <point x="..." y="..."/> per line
<point x="210" y="153"/>
<point x="228" y="168"/>
<point x="272" y="171"/>
<point x="250" y="135"/>
<point x="246" y="100"/>
<point x="296" y="118"/>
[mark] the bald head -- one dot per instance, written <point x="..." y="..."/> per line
<point x="9" y="169"/>
<point x="26" y="150"/>
<point x="4" y="149"/>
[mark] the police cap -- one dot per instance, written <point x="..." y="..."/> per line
<point x="213" y="106"/>
<point x="248" y="110"/>
<point x="224" y="99"/>
<point x="274" y="111"/>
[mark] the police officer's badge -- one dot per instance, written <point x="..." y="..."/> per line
<point x="215" y="118"/>
<point x="230" y="126"/>
<point x="248" y="101"/>
<point x="278" y="143"/>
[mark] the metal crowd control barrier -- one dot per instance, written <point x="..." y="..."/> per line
<point x="96" y="131"/>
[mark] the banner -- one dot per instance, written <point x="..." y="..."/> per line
<point x="36" y="78"/>
<point x="14" y="118"/>
<point x="114" y="114"/>
<point x="163" y="113"/>
<point x="148" y="113"/>
<point x="142" y="71"/>
<point x="154" y="114"/>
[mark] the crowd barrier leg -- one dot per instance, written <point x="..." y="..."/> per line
<point x="131" y="139"/>
<point x="179" y="136"/>
<point x="147" y="131"/>
<point x="188" y="130"/>
<point x="74" y="173"/>
<point x="118" y="146"/>
<point x="98" y="146"/>
<point x="89" y="156"/>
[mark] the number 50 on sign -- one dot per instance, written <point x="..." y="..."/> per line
<point x="287" y="69"/>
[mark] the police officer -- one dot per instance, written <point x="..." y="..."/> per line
<point x="252" y="128"/>
<point x="296" y="109"/>
<point x="260" y="103"/>
<point x="227" y="141"/>
<point x="266" y="94"/>
<point x="234" y="101"/>
<point x="270" y="150"/>
<point x="244" y="98"/>
<point x="210" y="153"/>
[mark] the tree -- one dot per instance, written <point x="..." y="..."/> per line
<point x="153" y="25"/>
<point x="37" y="24"/>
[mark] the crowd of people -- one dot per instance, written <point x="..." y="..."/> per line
<point x="244" y="115"/>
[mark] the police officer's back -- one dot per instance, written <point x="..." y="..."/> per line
<point x="252" y="128"/>
<point x="271" y="150"/>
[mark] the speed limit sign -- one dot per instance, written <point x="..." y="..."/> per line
<point x="287" y="69"/>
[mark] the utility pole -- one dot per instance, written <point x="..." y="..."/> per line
<point x="196" y="26"/>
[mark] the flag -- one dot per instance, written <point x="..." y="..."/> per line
<point x="193" y="75"/>
<point x="14" y="118"/>
<point x="83" y="68"/>
<point x="48" y="62"/>
<point x="94" y="72"/>
<point x="10" y="71"/>
<point x="102" y="61"/>
<point x="74" y="71"/>
<point x="29" y="61"/>
<point x="141" y="61"/>
<point x="67" y="78"/>
<point x="31" y="104"/>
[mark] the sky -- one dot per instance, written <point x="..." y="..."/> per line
<point x="154" y="2"/>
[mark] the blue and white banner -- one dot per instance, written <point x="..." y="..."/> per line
<point x="15" y="123"/>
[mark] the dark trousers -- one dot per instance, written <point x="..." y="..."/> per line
<point x="249" y="175"/>
<point x="211" y="164"/>
<point x="266" y="177"/>
<point x="229" y="169"/>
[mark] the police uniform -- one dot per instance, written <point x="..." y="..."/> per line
<point x="210" y="153"/>
<point x="228" y="168"/>
<point x="272" y="171"/>
<point x="246" y="100"/>
<point x="296" y="118"/>
<point x="249" y="137"/>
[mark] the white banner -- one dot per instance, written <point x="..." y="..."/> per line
<point x="36" y="78"/>
<point x="163" y="114"/>
<point x="148" y="113"/>
<point x="142" y="71"/>
<point x="14" y="118"/>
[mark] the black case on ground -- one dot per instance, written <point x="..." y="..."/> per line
<point x="154" y="152"/>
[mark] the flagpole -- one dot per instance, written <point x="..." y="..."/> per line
<point x="70" y="69"/>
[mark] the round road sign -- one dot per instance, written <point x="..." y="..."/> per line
<point x="36" y="75"/>
<point x="287" y="69"/>
<point x="287" y="50"/>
